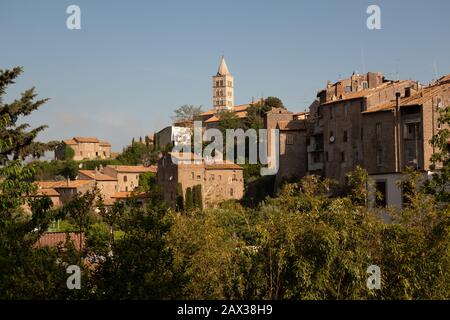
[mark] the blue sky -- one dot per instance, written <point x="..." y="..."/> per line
<point x="133" y="62"/>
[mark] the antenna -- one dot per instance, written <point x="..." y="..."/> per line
<point x="435" y="69"/>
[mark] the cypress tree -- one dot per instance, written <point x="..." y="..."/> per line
<point x="180" y="204"/>
<point x="189" y="199"/>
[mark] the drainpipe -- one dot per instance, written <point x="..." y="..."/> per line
<point x="397" y="132"/>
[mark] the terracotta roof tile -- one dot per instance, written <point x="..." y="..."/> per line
<point x="96" y="175"/>
<point x="62" y="184"/>
<point x="86" y="139"/>
<point x="134" y="169"/>
<point x="54" y="239"/>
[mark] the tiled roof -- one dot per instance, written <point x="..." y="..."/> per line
<point x="212" y="119"/>
<point x="292" y="125"/>
<point x="50" y="192"/>
<point x="134" y="169"/>
<point x="70" y="142"/>
<point x="62" y="184"/>
<point x="96" y="175"/>
<point x="86" y="139"/>
<point x="417" y="98"/>
<point x="237" y="108"/>
<point x="365" y="92"/>
<point x="54" y="239"/>
<point x="129" y="194"/>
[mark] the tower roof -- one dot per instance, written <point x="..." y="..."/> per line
<point x="223" y="69"/>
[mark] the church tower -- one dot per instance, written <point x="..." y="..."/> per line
<point x="222" y="88"/>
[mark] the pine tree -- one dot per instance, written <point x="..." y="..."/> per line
<point x="20" y="141"/>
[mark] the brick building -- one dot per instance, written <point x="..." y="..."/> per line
<point x="84" y="148"/>
<point x="219" y="181"/>
<point x="127" y="176"/>
<point x="366" y="120"/>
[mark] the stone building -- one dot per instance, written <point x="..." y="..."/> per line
<point x="66" y="189"/>
<point x="127" y="176"/>
<point x="337" y="138"/>
<point x="366" y="120"/>
<point x="84" y="148"/>
<point x="219" y="181"/>
<point x="397" y="135"/>
<point x="106" y="184"/>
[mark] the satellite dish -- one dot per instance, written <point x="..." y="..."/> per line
<point x="332" y="139"/>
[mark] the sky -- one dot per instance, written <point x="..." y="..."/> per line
<point x="133" y="62"/>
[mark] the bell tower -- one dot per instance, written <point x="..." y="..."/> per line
<point x="223" y="88"/>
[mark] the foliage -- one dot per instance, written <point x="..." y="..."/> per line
<point x="440" y="183"/>
<point x="273" y="102"/>
<point x="20" y="141"/>
<point x="138" y="154"/>
<point x="186" y="113"/>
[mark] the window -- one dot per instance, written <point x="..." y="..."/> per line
<point x="126" y="189"/>
<point x="326" y="156"/>
<point x="380" y="199"/>
<point x="193" y="175"/>
<point x="231" y="192"/>
<point x="348" y="88"/>
<point x="125" y="178"/>
<point x="234" y="177"/>
<point x="378" y="131"/>
<point x="289" y="139"/>
<point x="345" y="110"/>
<point x="212" y="177"/>
<point x="221" y="83"/>
<point x="342" y="156"/>
<point x="217" y="83"/>
<point x="362" y="134"/>
<point x="331" y="112"/>
<point x="199" y="177"/>
<point x="345" y="138"/>
<point x="379" y="156"/>
<point x="96" y="154"/>
<point x="220" y="177"/>
<point x="407" y="92"/>
<point x="365" y="85"/>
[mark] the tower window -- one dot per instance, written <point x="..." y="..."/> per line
<point x="345" y="136"/>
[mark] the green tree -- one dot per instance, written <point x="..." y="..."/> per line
<point x="440" y="183"/>
<point x="186" y="113"/>
<point x="21" y="143"/>
<point x="273" y="102"/>
<point x="141" y="266"/>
